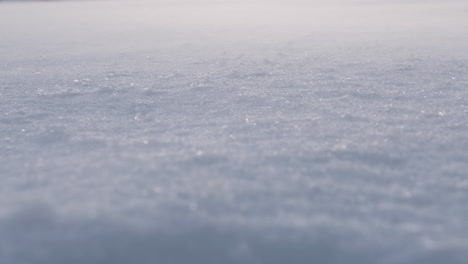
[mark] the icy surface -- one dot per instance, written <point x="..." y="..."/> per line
<point x="227" y="132"/>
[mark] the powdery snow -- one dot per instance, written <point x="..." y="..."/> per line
<point x="232" y="132"/>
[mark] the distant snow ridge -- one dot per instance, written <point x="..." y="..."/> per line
<point x="233" y="133"/>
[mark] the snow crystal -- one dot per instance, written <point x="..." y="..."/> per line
<point x="234" y="132"/>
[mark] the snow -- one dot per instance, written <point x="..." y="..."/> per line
<point x="234" y="132"/>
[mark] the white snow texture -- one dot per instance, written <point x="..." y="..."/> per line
<point x="159" y="132"/>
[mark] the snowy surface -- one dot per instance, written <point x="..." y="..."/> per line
<point x="228" y="132"/>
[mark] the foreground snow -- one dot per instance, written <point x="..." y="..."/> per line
<point x="150" y="132"/>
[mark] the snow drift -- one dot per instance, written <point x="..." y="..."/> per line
<point x="233" y="132"/>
